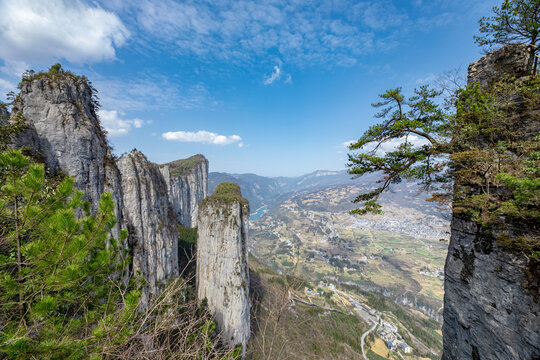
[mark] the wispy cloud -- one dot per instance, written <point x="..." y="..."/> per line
<point x="151" y="92"/>
<point x="45" y="31"/>
<point x="276" y="74"/>
<point x="202" y="136"/>
<point x="5" y="87"/>
<point x="115" y="124"/>
<point x="299" y="32"/>
<point x="346" y="144"/>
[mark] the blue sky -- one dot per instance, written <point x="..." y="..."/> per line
<point x="268" y="87"/>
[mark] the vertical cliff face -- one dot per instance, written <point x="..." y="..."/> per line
<point x="153" y="235"/>
<point x="222" y="262"/>
<point x="187" y="184"/>
<point x="491" y="304"/>
<point x="64" y="131"/>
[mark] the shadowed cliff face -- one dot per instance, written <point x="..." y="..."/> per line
<point x="65" y="133"/>
<point x="187" y="184"/>
<point x="491" y="311"/>
<point x="222" y="262"/>
<point x="153" y="234"/>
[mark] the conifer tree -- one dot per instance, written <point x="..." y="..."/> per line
<point x="515" y="21"/>
<point x="61" y="288"/>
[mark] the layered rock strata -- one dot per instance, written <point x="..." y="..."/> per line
<point x="187" y="184"/>
<point x="222" y="262"/>
<point x="491" y="301"/>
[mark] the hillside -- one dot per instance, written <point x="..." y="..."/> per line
<point x="306" y="226"/>
<point x="287" y="308"/>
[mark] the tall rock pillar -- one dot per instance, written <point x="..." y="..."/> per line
<point x="222" y="262"/>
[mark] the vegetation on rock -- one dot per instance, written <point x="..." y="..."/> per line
<point x="515" y="21"/>
<point x="64" y="293"/>
<point x="483" y="155"/>
<point x="184" y="166"/>
<point x="225" y="193"/>
<point x="61" y="275"/>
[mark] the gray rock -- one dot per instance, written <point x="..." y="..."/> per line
<point x="222" y="262"/>
<point x="488" y="312"/>
<point x="511" y="60"/>
<point x="187" y="183"/>
<point x="491" y="300"/>
<point x="64" y="132"/>
<point x="153" y="233"/>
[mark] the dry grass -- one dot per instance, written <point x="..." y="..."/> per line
<point x="174" y="326"/>
<point x="283" y="329"/>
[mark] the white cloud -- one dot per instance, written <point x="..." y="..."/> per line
<point x="379" y="15"/>
<point x="5" y="87"/>
<point x="274" y="76"/>
<point x="278" y="74"/>
<point x="202" y="136"/>
<point x="115" y="125"/>
<point x="39" y="31"/>
<point x="300" y="32"/>
<point x="347" y="143"/>
<point x="288" y="79"/>
<point x="393" y="144"/>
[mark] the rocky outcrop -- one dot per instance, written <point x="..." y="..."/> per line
<point x="222" y="262"/>
<point x="419" y="303"/>
<point x="152" y="227"/>
<point x="511" y="60"/>
<point x="64" y="132"/>
<point x="187" y="184"/>
<point x="491" y="301"/>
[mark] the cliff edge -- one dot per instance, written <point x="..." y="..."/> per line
<point x="491" y="301"/>
<point x="187" y="184"/>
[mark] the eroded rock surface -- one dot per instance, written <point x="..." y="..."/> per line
<point x="222" y="262"/>
<point x="491" y="301"/>
<point x="64" y="132"/>
<point x="153" y="234"/>
<point x="511" y="60"/>
<point x="489" y="313"/>
<point x="187" y="183"/>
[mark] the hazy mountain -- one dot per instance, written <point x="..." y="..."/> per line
<point x="260" y="190"/>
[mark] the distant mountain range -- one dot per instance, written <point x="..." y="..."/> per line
<point x="261" y="190"/>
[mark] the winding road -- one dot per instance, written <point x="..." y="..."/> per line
<point x="364" y="336"/>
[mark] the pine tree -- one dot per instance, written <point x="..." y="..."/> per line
<point x="61" y="289"/>
<point x="515" y="21"/>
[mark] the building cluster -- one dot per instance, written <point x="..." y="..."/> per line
<point x="389" y="333"/>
